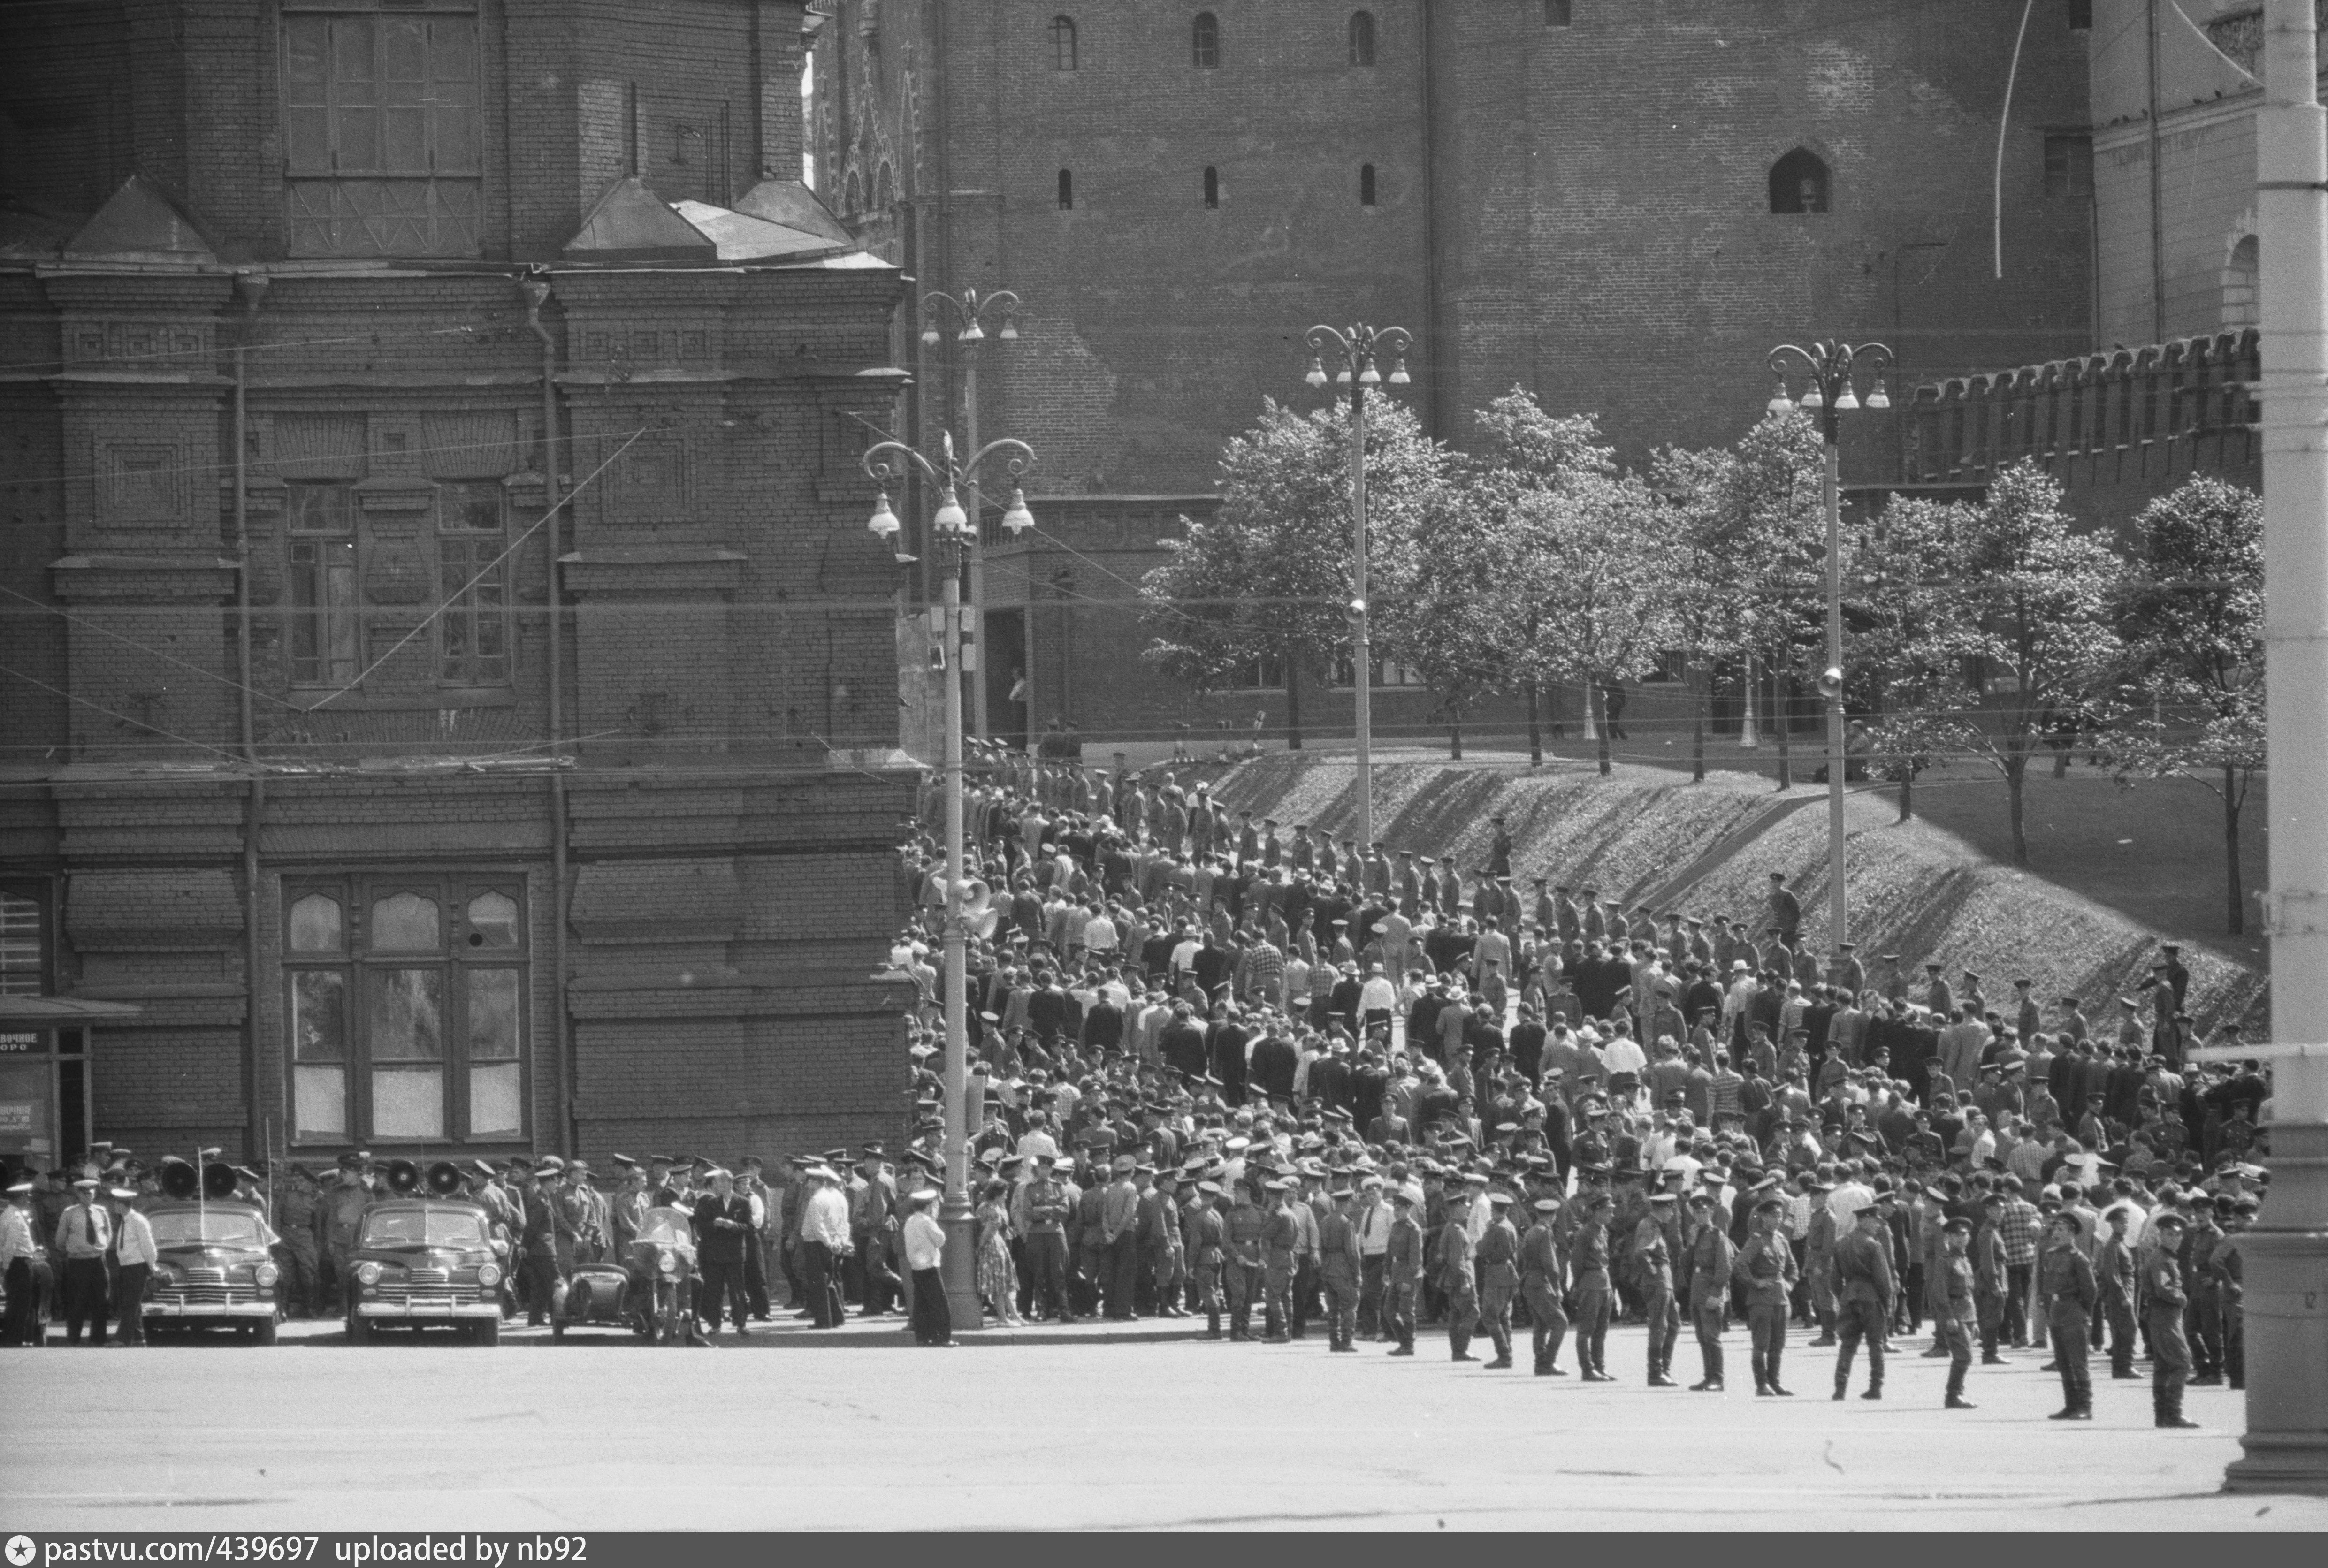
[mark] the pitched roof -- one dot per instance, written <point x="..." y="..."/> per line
<point x="141" y="222"/>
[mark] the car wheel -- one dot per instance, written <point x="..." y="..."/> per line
<point x="263" y="1332"/>
<point x="359" y="1331"/>
<point x="489" y="1332"/>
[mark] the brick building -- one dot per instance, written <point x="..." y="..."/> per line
<point x="1622" y="206"/>
<point x="2163" y="391"/>
<point x="448" y="689"/>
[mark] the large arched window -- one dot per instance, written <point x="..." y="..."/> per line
<point x="1204" y="42"/>
<point x="2242" y="281"/>
<point x="1362" y="37"/>
<point x="1799" y="182"/>
<point x="1063" y="43"/>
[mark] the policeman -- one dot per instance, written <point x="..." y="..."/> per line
<point x="85" y="1235"/>
<point x="1496" y="1261"/>
<point x="1957" y="1307"/>
<point x="338" y="1219"/>
<point x="2065" y="1283"/>
<point x="1338" y="1269"/>
<point x="2114" y="1274"/>
<point x="1048" y="1207"/>
<point x="1281" y="1238"/>
<point x="2164" y="1298"/>
<point x="1542" y="1284"/>
<point x="295" y="1245"/>
<point x="1245" y="1225"/>
<point x="1863" y="1287"/>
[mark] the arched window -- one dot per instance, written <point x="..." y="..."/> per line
<point x="1799" y="182"/>
<point x="1204" y="42"/>
<point x="1067" y="187"/>
<point x="852" y="201"/>
<point x="884" y="190"/>
<point x="1556" y="13"/>
<point x="1362" y="37"/>
<point x="1063" y="43"/>
<point x="1212" y="187"/>
<point x="1366" y="185"/>
<point x="2242" y="302"/>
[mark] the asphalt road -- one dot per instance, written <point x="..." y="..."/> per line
<point x="1065" y="1429"/>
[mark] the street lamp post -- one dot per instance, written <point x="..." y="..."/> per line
<point x="1355" y="351"/>
<point x="952" y="530"/>
<point x="969" y="309"/>
<point x="1830" y="365"/>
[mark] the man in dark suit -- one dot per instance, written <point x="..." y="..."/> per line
<point x="723" y="1219"/>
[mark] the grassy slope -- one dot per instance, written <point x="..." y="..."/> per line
<point x="1918" y="889"/>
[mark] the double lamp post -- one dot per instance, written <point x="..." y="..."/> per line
<point x="953" y="532"/>
<point x="1830" y="367"/>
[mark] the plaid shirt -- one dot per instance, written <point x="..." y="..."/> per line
<point x="2016" y="1231"/>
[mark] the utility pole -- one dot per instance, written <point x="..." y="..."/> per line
<point x="969" y="308"/>
<point x="2285" y="1255"/>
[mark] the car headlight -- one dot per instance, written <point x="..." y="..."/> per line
<point x="489" y="1275"/>
<point x="368" y="1273"/>
<point x="667" y="1261"/>
<point x="266" y="1273"/>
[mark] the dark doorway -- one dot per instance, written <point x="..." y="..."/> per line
<point x="1005" y="666"/>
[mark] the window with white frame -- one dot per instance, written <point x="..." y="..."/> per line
<point x="405" y="1012"/>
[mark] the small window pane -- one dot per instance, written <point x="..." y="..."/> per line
<point x="493" y="1015"/>
<point x="406" y="923"/>
<point x="493" y="917"/>
<point x="1205" y="40"/>
<point x="1362" y="37"/>
<point x="21" y="968"/>
<point x="320" y="1101"/>
<point x="406" y="1104"/>
<point x="316" y="925"/>
<point x="1063" y="43"/>
<point x="495" y="1102"/>
<point x="319" y="1015"/>
<point x="408" y="1015"/>
<point x="317" y="508"/>
<point x="474" y="508"/>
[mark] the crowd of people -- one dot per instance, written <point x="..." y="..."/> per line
<point x="1226" y="1071"/>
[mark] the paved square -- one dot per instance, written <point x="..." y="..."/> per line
<point x="860" y="1430"/>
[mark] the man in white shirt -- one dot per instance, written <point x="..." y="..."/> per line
<point x="1851" y="1195"/>
<point x="1373" y="1221"/>
<point x="135" y="1255"/>
<point x="20" y="1257"/>
<point x="824" y="1241"/>
<point x="86" y="1236"/>
<point x="923" y="1240"/>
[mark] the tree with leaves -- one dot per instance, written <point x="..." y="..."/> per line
<point x="2025" y="630"/>
<point x="2191" y="688"/>
<point x="1905" y="638"/>
<point x="1267" y="578"/>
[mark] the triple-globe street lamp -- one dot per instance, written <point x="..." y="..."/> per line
<point x="970" y="310"/>
<point x="952" y="530"/>
<point x="1355" y="352"/>
<point x="1831" y="366"/>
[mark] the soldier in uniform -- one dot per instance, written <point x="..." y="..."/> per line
<point x="1956" y="1309"/>
<point x="2229" y="1267"/>
<point x="1588" y="1256"/>
<point x="2115" y="1276"/>
<point x="1712" y="1257"/>
<point x="2164" y="1300"/>
<point x="1048" y="1207"/>
<point x="1452" y="1260"/>
<point x="1338" y="1269"/>
<point x="1497" y="1262"/>
<point x="1401" y="1272"/>
<point x="1541" y="1287"/>
<point x="2065" y="1284"/>
<point x="1766" y="1264"/>
<point x="1204" y="1237"/>
<point x="1161" y="1254"/>
<point x="1862" y="1266"/>
<point x="2202" y="1320"/>
<point x="1654" y="1259"/>
<point x="538" y="1242"/>
<point x="1246" y="1223"/>
<point x="1281" y="1238"/>
<point x="339" y="1217"/>
<point x="295" y="1245"/>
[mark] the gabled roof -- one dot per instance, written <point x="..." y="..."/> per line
<point x="632" y="223"/>
<point x="141" y="222"/>
<point x="739" y="237"/>
<point x="795" y="206"/>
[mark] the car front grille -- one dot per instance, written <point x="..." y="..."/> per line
<point x="195" y="1295"/>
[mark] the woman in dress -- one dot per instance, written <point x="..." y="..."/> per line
<point x="998" y="1278"/>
